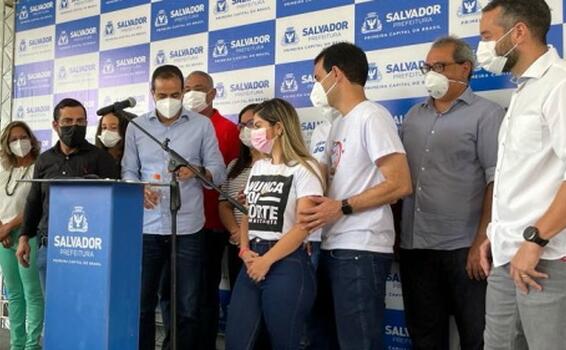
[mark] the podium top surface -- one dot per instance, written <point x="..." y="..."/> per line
<point x="94" y="181"/>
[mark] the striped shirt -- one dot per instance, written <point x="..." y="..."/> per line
<point x="235" y="186"/>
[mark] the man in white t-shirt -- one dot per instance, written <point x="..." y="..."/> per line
<point x="367" y="170"/>
<point x="317" y="148"/>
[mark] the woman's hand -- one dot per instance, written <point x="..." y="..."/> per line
<point x="4" y="231"/>
<point x="258" y="267"/>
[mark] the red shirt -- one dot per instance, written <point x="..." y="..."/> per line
<point x="228" y="138"/>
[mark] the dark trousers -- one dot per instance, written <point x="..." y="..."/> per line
<point x="435" y="285"/>
<point x="351" y="299"/>
<point x="214" y="244"/>
<point x="283" y="300"/>
<point x="234" y="264"/>
<point x="156" y="273"/>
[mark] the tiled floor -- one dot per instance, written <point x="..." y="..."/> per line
<point x="5" y="341"/>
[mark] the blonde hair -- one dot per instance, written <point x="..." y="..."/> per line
<point x="293" y="148"/>
<point x="9" y="159"/>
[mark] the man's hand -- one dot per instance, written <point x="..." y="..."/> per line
<point x="258" y="268"/>
<point x="325" y="211"/>
<point x="485" y="257"/>
<point x="23" y="251"/>
<point x="523" y="267"/>
<point x="184" y="173"/>
<point x="473" y="264"/>
<point x="150" y="198"/>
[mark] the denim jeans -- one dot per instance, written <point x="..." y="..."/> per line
<point x="155" y="269"/>
<point x="435" y="286"/>
<point x="351" y="299"/>
<point x="283" y="301"/>
<point x="41" y="264"/>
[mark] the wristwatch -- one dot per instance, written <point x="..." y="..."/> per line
<point x="532" y="234"/>
<point x="346" y="207"/>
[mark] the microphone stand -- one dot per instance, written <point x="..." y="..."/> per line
<point x="176" y="161"/>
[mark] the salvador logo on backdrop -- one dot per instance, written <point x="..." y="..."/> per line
<point x="242" y="47"/>
<point x="68" y="10"/>
<point x="37" y="111"/>
<point x="294" y="82"/>
<point x="236" y="89"/>
<point x="34" y="14"/>
<point x="189" y="53"/>
<point x="396" y="72"/>
<point x="129" y="65"/>
<point x="77" y="37"/>
<point x="76" y="73"/>
<point x="33" y="79"/>
<point x="35" y="45"/>
<point x="386" y="24"/>
<point x="170" y="18"/>
<point x="125" y="27"/>
<point x="232" y="13"/>
<point x="302" y="37"/>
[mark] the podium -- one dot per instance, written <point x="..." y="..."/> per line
<point x="93" y="265"/>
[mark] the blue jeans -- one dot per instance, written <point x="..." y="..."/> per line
<point x="315" y="254"/>
<point x="351" y="299"/>
<point x="41" y="264"/>
<point x="283" y="300"/>
<point x="155" y="267"/>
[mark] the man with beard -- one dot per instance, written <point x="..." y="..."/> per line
<point x="72" y="156"/>
<point x="525" y="302"/>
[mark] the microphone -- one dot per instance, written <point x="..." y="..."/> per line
<point x="127" y="103"/>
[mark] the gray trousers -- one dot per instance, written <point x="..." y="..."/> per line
<point x="518" y="321"/>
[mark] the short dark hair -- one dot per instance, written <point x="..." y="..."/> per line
<point x="66" y="102"/>
<point x="349" y="58"/>
<point x="534" y="13"/>
<point x="167" y="71"/>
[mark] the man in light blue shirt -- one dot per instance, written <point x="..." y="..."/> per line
<point x="192" y="136"/>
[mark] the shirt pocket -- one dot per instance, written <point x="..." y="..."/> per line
<point x="525" y="134"/>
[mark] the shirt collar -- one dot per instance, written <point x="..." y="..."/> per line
<point x="467" y="97"/>
<point x="537" y="69"/>
<point x="84" y="146"/>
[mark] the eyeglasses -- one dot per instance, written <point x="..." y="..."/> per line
<point x="438" y="67"/>
<point x="70" y="122"/>
<point x="249" y="124"/>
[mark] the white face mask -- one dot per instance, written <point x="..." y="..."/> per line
<point x="168" y="107"/>
<point x="319" y="97"/>
<point x="20" y="148"/>
<point x="487" y="56"/>
<point x="195" y="101"/>
<point x="109" y="138"/>
<point x="245" y="136"/>
<point x="437" y="84"/>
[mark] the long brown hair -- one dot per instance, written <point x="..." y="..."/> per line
<point x="291" y="140"/>
<point x="9" y="159"/>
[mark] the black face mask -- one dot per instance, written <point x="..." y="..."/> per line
<point x="73" y="135"/>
